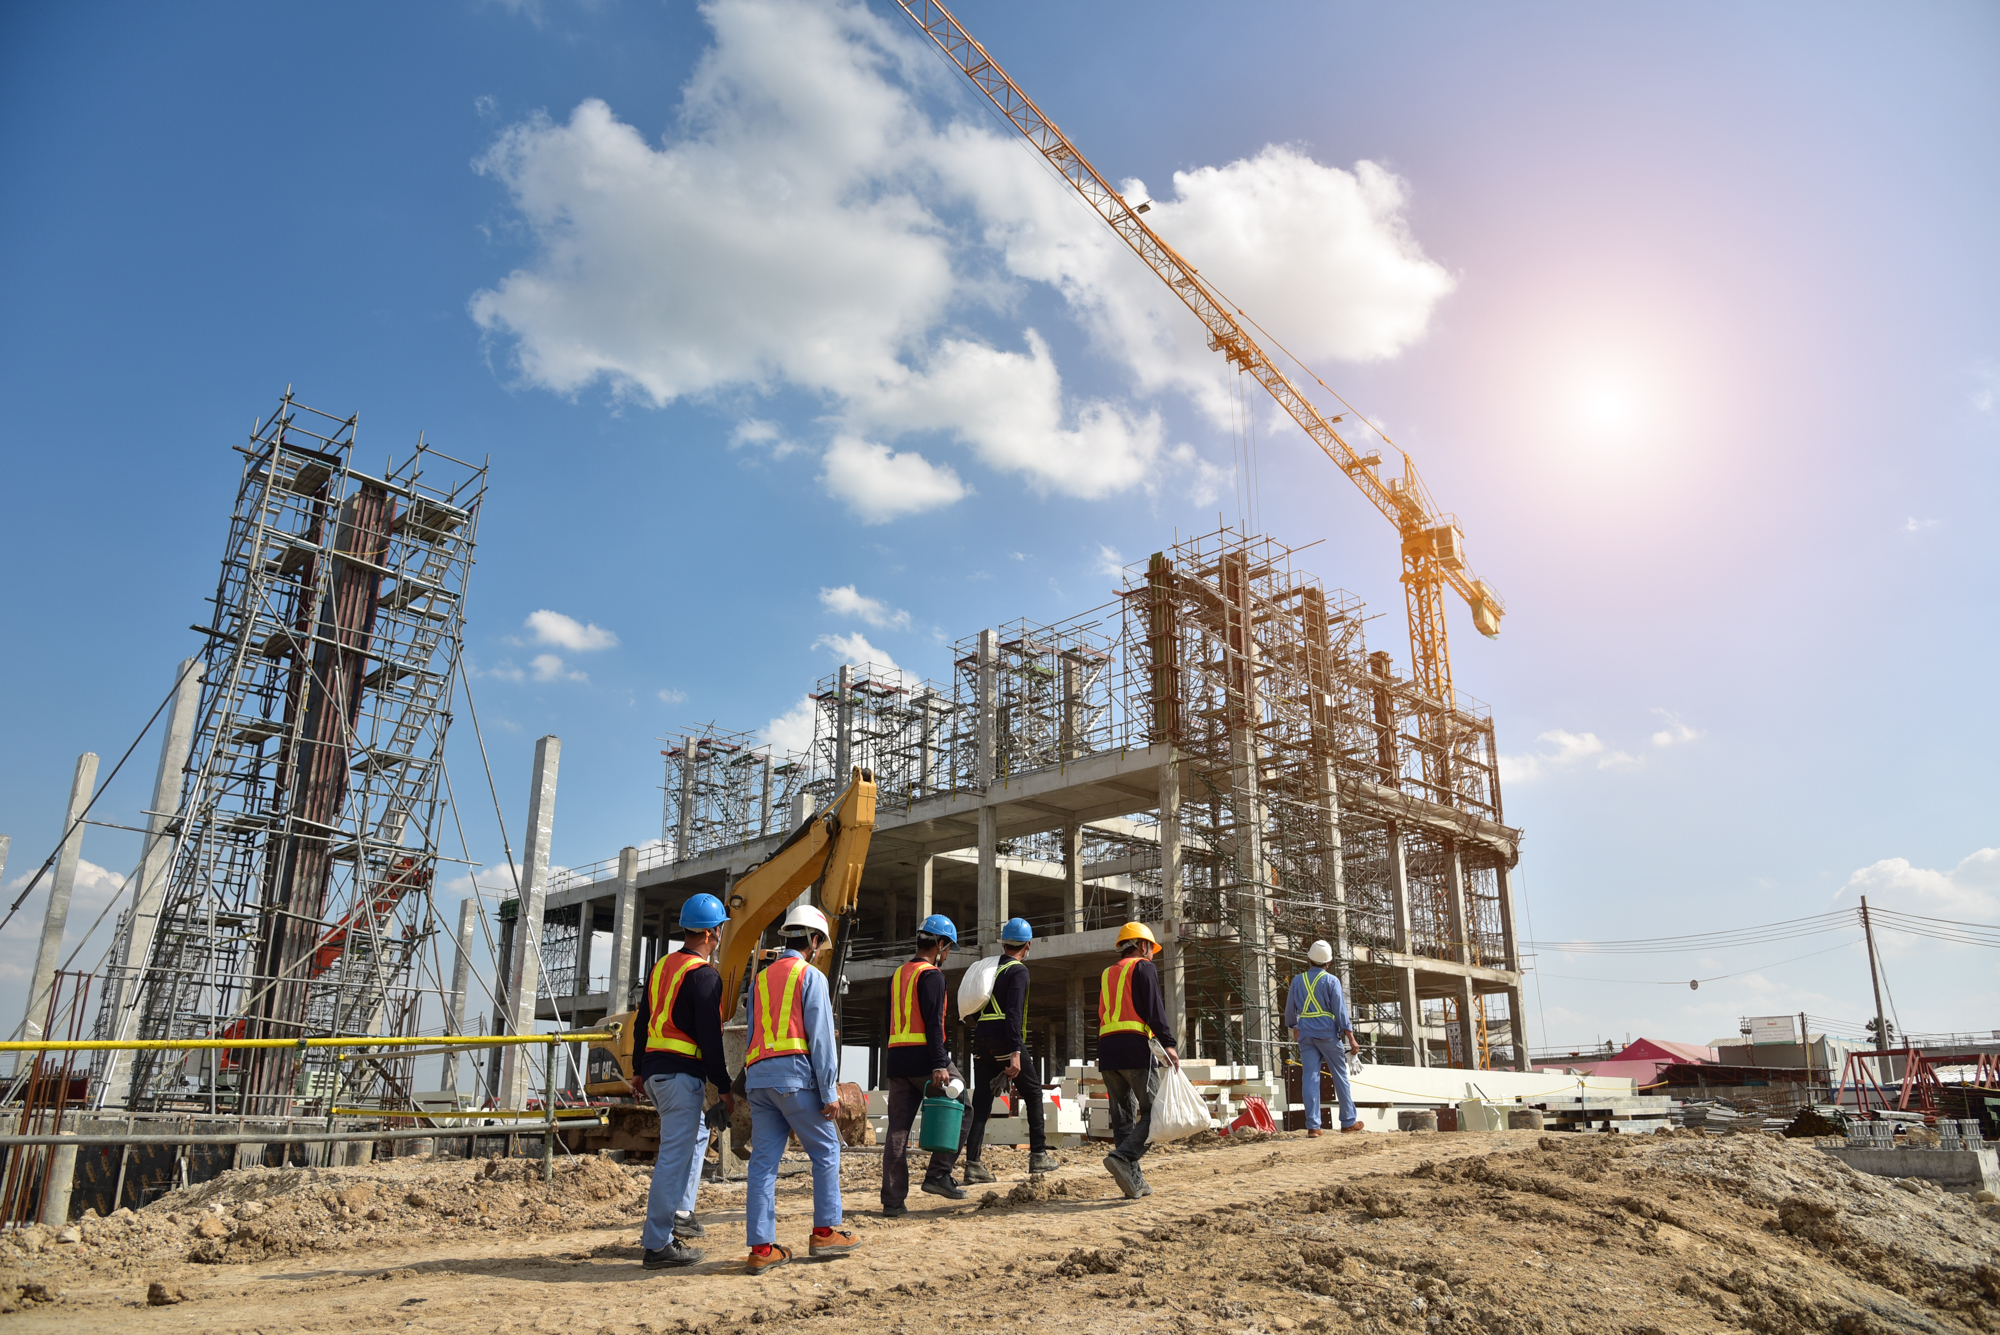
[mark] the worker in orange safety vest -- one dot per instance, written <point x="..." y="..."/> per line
<point x="1131" y="1009"/>
<point x="918" y="1063"/>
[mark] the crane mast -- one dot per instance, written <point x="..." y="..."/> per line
<point x="1432" y="543"/>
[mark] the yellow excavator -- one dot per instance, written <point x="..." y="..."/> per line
<point x="828" y="851"/>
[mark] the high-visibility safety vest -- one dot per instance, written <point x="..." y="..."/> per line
<point x="1312" y="1010"/>
<point x="993" y="1010"/>
<point x="668" y="975"/>
<point x="906" y="1022"/>
<point x="778" y="1019"/>
<point x="1115" y="1013"/>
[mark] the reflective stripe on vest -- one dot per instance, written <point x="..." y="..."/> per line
<point x="778" y="1027"/>
<point x="1115" y="1014"/>
<point x="668" y="974"/>
<point x="993" y="1011"/>
<point x="1312" y="1010"/>
<point x="906" y="1023"/>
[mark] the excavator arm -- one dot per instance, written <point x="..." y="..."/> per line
<point x="829" y="849"/>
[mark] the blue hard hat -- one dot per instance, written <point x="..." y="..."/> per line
<point x="1017" y="931"/>
<point x="938" y="925"/>
<point x="702" y="912"/>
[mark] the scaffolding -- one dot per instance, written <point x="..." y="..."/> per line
<point x="305" y="842"/>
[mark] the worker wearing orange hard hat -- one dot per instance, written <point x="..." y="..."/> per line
<point x="1131" y="1010"/>
<point x="789" y="1075"/>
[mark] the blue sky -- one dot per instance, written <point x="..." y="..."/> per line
<point x="1687" y="313"/>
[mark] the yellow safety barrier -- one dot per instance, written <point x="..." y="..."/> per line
<point x="357" y="1041"/>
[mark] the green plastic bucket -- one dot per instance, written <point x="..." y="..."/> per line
<point x="939" y="1128"/>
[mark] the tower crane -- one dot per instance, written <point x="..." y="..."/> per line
<point x="1433" y="545"/>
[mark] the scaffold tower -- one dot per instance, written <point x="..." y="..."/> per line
<point x="305" y="843"/>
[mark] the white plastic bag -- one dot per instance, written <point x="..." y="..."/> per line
<point x="1178" y="1111"/>
<point x="977" y="986"/>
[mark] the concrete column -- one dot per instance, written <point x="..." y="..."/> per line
<point x="926" y="746"/>
<point x="1004" y="912"/>
<point x="57" y="916"/>
<point x="1510" y="946"/>
<point x="989" y="881"/>
<point x="925" y="902"/>
<point x="986" y="722"/>
<point x="1072" y="707"/>
<point x="61" y="1180"/>
<point x="684" y="827"/>
<point x="802" y="807"/>
<point x="1073" y="877"/>
<point x="1076" y="1025"/>
<point x="524" y="969"/>
<point x="1406" y="975"/>
<point x="1173" y="959"/>
<point x="586" y="917"/>
<point x="768" y="807"/>
<point x="1248" y="811"/>
<point x="625" y="928"/>
<point x="1461" y="950"/>
<point x="461" y="981"/>
<point x="843" y="720"/>
<point x="149" y="881"/>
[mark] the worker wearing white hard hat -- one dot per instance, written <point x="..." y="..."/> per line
<point x="789" y="1073"/>
<point x="1316" y="1013"/>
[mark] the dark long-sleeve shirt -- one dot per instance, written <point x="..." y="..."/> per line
<point x="921" y="1061"/>
<point x="1129" y="1051"/>
<point x="698" y="1014"/>
<point x="1004" y="1038"/>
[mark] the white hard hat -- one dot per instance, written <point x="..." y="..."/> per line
<point x="805" y="918"/>
<point x="1320" y="952"/>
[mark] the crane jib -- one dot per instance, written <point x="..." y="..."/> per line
<point x="1432" y="545"/>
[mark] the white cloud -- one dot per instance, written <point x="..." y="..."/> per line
<point x="669" y="696"/>
<point x="879" y="484"/>
<point x="1969" y="892"/>
<point x="1673" y="732"/>
<point x="856" y="649"/>
<point x="1916" y="525"/>
<point x="95" y="887"/>
<point x="846" y="601"/>
<point x="550" y="667"/>
<point x="808" y="227"/>
<point x="757" y="433"/>
<point x="792" y="731"/>
<point x="569" y="633"/>
<point x="1109" y="562"/>
<point x="1563" y="750"/>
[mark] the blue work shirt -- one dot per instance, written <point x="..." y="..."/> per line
<point x="818" y="1067"/>
<point x="1327" y="987"/>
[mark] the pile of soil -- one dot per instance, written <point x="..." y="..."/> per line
<point x="1509" y="1233"/>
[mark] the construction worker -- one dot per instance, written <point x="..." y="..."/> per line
<point x="917" y="1063"/>
<point x="789" y="1074"/>
<point x="679" y="1032"/>
<point x="1130" y="1010"/>
<point x="1316" y="1013"/>
<point x="1000" y="1056"/>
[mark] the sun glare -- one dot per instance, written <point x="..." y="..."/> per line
<point x="1608" y="410"/>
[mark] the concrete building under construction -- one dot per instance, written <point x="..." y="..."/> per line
<point x="1216" y="753"/>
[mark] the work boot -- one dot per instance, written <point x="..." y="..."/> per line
<point x="1314" y="1133"/>
<point x="1125" y="1174"/>
<point x="945" y="1187"/>
<point x="769" y="1258"/>
<point x="1145" y="1187"/>
<point x="687" y="1226"/>
<point x="835" y="1242"/>
<point x="895" y="1211"/>
<point x="672" y="1256"/>
<point x="1356" y="1127"/>
<point x="978" y="1172"/>
<point x="1042" y="1161"/>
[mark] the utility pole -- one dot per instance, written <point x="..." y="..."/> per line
<point x="1875" y="977"/>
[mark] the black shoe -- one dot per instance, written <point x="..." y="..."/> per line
<point x="688" y="1227"/>
<point x="1042" y="1161"/>
<point x="894" y="1211"/>
<point x="672" y="1256"/>
<point x="977" y="1172"/>
<point x="1125" y="1174"/>
<point x="944" y="1187"/>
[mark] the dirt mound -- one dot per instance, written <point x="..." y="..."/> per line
<point x="1039" y="1189"/>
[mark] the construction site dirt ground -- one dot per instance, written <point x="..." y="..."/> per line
<point x="1509" y="1232"/>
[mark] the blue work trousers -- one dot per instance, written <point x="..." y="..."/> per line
<point x="683" y="1146"/>
<point x="1316" y="1050"/>
<point x="775" y="1114"/>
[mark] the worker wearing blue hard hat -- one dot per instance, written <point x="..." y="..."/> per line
<point x="917" y="1062"/>
<point x="677" y="1035"/>
<point x="1000" y="1057"/>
